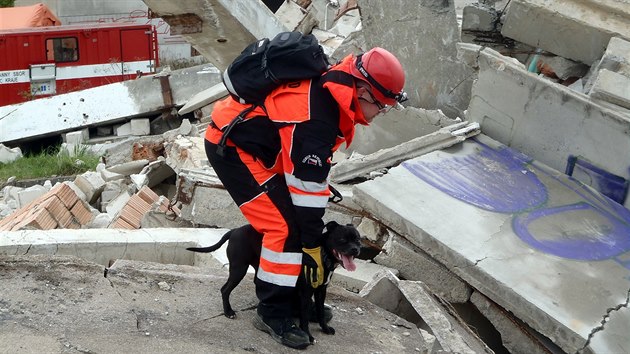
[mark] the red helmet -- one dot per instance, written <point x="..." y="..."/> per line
<point x="383" y="72"/>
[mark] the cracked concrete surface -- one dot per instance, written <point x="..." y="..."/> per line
<point x="56" y="304"/>
<point x="524" y="267"/>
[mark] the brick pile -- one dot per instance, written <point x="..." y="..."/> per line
<point x="139" y="204"/>
<point x="60" y="208"/>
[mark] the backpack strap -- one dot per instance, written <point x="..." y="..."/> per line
<point x="226" y="131"/>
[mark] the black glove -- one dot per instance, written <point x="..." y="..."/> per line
<point x="312" y="262"/>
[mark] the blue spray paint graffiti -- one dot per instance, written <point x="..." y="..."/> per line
<point x="504" y="181"/>
<point x="492" y="180"/>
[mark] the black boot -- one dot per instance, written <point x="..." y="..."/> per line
<point x="283" y="331"/>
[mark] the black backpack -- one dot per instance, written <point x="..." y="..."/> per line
<point x="265" y="65"/>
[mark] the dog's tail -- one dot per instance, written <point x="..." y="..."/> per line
<point x="212" y="248"/>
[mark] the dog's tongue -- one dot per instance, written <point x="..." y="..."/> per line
<point x="348" y="263"/>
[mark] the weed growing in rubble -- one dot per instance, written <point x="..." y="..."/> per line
<point x="50" y="163"/>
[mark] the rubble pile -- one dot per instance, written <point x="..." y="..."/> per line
<point x="519" y="72"/>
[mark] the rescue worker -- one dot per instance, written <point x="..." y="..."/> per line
<point x="275" y="165"/>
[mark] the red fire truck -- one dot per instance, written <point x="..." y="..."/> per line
<point x="42" y="61"/>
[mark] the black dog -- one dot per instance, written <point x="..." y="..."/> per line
<point x="341" y="243"/>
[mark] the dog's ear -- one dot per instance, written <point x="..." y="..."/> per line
<point x="331" y="225"/>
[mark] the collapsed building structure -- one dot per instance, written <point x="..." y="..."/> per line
<point x="512" y="216"/>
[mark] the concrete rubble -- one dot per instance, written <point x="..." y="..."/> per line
<point x="513" y="116"/>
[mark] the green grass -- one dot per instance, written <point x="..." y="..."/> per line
<point x="49" y="163"/>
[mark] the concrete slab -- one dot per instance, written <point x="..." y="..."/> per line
<point x="218" y="29"/>
<point x="612" y="87"/>
<point x="204" y="98"/>
<point x="423" y="35"/>
<point x="562" y="27"/>
<point x="65" y="304"/>
<point x="414" y="264"/>
<point x="396" y="127"/>
<point x="349" y="169"/>
<point x="162" y="245"/>
<point x="94" y="106"/>
<point x="545" y="247"/>
<point x="547" y="121"/>
<point x="355" y="281"/>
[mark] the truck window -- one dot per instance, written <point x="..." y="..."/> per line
<point x="62" y="49"/>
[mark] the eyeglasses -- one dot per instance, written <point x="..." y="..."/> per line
<point x="382" y="108"/>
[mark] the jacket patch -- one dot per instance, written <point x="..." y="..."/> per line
<point x="312" y="160"/>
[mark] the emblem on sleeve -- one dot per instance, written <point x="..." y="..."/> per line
<point x="312" y="160"/>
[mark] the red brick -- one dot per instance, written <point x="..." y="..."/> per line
<point x="131" y="216"/>
<point x="148" y="195"/>
<point x="139" y="204"/>
<point x="81" y="213"/>
<point x="121" y="224"/>
<point x="41" y="220"/>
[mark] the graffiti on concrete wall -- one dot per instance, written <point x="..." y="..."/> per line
<point x="551" y="211"/>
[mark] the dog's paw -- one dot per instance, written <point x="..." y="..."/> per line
<point x="230" y="314"/>
<point x="328" y="330"/>
<point x="311" y="339"/>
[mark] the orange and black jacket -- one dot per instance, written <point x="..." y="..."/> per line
<point x="295" y="133"/>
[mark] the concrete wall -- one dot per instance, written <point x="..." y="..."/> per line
<point x="547" y="121"/>
<point x="423" y="35"/>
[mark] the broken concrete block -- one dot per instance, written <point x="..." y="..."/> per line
<point x="109" y="176"/>
<point x="115" y="205"/>
<point x="616" y="58"/>
<point x="100" y="221"/>
<point x="468" y="53"/>
<point x="112" y="190"/>
<point x="512" y="105"/>
<point x="8" y="155"/>
<point x="337" y="47"/>
<point x="372" y="230"/>
<point x="123" y="129"/>
<point x="156" y="172"/>
<point x="140" y="126"/>
<point x="205" y="201"/>
<point x="92" y="184"/>
<point x="355" y="281"/>
<point x="452" y="333"/>
<point x="11" y="193"/>
<point x="293" y="16"/>
<point x="77" y="137"/>
<point x="158" y="219"/>
<point x="383" y="291"/>
<point x="479" y="18"/>
<point x="612" y="87"/>
<point x="29" y="194"/>
<point x="515" y="335"/>
<point x="129" y="168"/>
<point x="560" y="27"/>
<point x="346" y="24"/>
<point x="186" y="153"/>
<point x="139" y="180"/>
<point x="415" y="264"/>
<point x="185" y="128"/>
